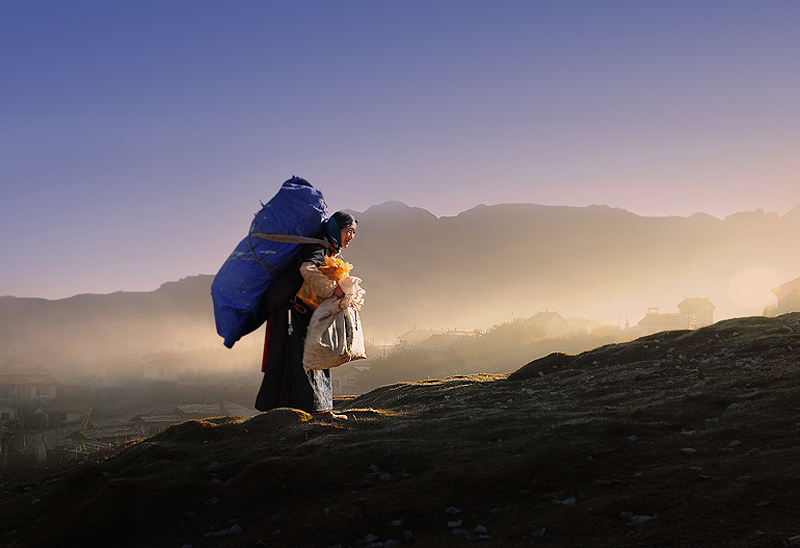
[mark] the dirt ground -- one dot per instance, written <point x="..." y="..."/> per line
<point x="676" y="439"/>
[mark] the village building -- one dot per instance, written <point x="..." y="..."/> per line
<point x="553" y="322"/>
<point x="788" y="296"/>
<point x="693" y="313"/>
<point x="416" y="337"/>
<point x="696" y="312"/>
<point x="63" y="413"/>
<point x="106" y="434"/>
<point x="442" y="342"/>
<point x="151" y="424"/>
<point x="165" y="373"/>
<point x="345" y="378"/>
<point x="655" y="322"/>
<point x="7" y="414"/>
<point x="199" y="410"/>
<point x="103" y="440"/>
<point x="25" y="389"/>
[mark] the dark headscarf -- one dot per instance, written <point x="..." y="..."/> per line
<point x="336" y="223"/>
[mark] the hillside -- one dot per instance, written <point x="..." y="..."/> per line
<point x="686" y="438"/>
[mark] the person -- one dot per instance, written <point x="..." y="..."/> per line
<point x="285" y="382"/>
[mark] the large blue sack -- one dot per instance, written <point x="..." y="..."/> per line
<point x="297" y="209"/>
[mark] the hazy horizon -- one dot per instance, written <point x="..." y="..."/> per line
<point x="491" y="264"/>
<point x="189" y="275"/>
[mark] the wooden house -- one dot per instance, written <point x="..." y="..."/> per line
<point x="553" y="322"/>
<point x="788" y="297"/>
<point x="696" y="312"/>
<point x="655" y="322"/>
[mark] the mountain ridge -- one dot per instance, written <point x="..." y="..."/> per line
<point x="469" y="271"/>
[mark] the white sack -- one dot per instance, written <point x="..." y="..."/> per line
<point x="335" y="334"/>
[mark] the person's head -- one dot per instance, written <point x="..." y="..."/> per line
<point x="342" y="228"/>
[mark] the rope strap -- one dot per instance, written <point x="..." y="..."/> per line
<point x="290" y="239"/>
<point x="285" y="238"/>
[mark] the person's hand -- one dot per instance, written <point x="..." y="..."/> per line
<point x="338" y="291"/>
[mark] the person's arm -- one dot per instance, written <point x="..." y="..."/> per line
<point x="319" y="282"/>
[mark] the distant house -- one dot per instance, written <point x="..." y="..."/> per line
<point x="160" y="373"/>
<point x="345" y="379"/>
<point x="7" y="413"/>
<point x="441" y="342"/>
<point x="655" y="322"/>
<point x="693" y="313"/>
<point x="199" y="410"/>
<point x="579" y="324"/>
<point x="171" y="372"/>
<point x="106" y="435"/>
<point x="25" y="389"/>
<point x="788" y="297"/>
<point x="418" y="338"/>
<point x="152" y="424"/>
<point x="553" y="322"/>
<point x="61" y="413"/>
<point x="696" y="312"/>
<point x="415" y="336"/>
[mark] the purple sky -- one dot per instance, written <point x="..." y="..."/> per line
<point x="137" y="138"/>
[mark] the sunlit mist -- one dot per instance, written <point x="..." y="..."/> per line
<point x="751" y="288"/>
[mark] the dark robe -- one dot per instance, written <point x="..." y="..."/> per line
<point x="285" y="383"/>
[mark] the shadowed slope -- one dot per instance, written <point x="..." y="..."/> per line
<point x="678" y="439"/>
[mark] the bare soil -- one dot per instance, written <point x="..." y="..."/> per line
<point x="685" y="438"/>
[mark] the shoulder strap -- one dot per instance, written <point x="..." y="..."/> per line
<point x="285" y="238"/>
<point x="289" y="239"/>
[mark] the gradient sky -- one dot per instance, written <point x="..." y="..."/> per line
<point x="137" y="138"/>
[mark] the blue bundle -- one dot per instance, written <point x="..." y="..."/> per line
<point x="297" y="209"/>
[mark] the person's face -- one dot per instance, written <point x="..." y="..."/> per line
<point x="348" y="234"/>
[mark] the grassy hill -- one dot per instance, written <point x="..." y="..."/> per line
<point x="677" y="439"/>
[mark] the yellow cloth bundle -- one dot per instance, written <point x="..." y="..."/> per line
<point x="335" y="268"/>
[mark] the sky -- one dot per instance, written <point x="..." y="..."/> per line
<point x="138" y="138"/>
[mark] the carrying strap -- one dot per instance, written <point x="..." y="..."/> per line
<point x="290" y="239"/>
<point x="284" y="238"/>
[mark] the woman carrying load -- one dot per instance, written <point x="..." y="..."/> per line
<point x="286" y="383"/>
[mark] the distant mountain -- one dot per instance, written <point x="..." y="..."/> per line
<point x="120" y="324"/>
<point x="471" y="271"/>
<point x="479" y="267"/>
